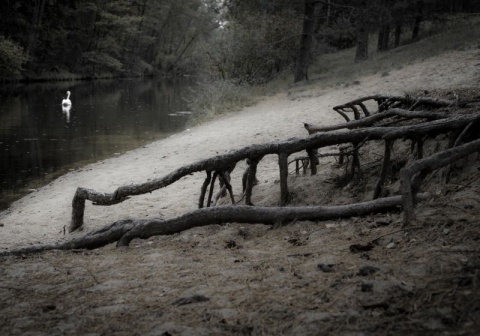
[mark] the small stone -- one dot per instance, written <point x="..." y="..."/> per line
<point x="367" y="270"/>
<point x="390" y="245"/>
<point x="49" y="307"/>
<point x="446" y="231"/>
<point x="326" y="268"/>
<point x="366" y="287"/>
<point x="243" y="232"/>
<point x="355" y="248"/>
<point x="231" y="244"/>
<point x="365" y="256"/>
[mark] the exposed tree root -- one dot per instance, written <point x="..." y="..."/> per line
<point x="124" y="231"/>
<point x="372" y="119"/>
<point x="390" y="102"/>
<point x="361" y="130"/>
<point x="413" y="174"/>
<point x="222" y="164"/>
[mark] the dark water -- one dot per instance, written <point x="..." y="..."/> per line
<point x="40" y="140"/>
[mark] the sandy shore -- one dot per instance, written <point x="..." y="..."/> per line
<point x="41" y="216"/>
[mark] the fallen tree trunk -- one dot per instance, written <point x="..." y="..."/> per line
<point x="124" y="231"/>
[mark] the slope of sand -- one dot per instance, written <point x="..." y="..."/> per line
<point x="41" y="216"/>
<point x="300" y="279"/>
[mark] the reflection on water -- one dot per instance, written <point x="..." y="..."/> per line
<point x="66" y="112"/>
<point x="40" y="138"/>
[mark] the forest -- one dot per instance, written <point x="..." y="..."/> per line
<point x="244" y="41"/>
<point x="341" y="199"/>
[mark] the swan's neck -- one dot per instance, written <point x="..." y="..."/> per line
<point x="68" y="95"/>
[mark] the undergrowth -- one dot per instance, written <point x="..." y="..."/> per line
<point x="459" y="32"/>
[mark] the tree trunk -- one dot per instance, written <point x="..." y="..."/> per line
<point x="329" y="9"/>
<point x="179" y="56"/>
<point x="384" y="37"/>
<point x="135" y="46"/>
<point x="418" y="21"/>
<point x="35" y="27"/>
<point x="416" y="28"/>
<point x="361" y="53"/>
<point x="303" y="61"/>
<point x="398" y="34"/>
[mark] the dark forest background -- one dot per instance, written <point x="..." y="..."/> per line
<point x="246" y="41"/>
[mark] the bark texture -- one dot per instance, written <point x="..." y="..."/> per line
<point x="436" y="117"/>
<point x="124" y="231"/>
<point x="364" y="129"/>
<point x="303" y="61"/>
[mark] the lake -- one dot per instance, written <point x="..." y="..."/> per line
<point x="41" y="140"/>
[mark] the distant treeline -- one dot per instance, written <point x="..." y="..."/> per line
<point x="241" y="40"/>
<point x="92" y="38"/>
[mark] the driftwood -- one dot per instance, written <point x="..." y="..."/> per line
<point x="124" y="231"/>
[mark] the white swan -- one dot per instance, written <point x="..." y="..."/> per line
<point x="67" y="102"/>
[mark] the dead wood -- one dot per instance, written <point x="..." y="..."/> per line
<point x="457" y="142"/>
<point x="313" y="159"/>
<point x="225" y="185"/>
<point x="343" y="152"/>
<point x="283" y="149"/>
<point x="305" y="160"/>
<point x="283" y="164"/>
<point x="212" y="186"/>
<point x="124" y="231"/>
<point x="385" y="102"/>
<point x="418" y="143"/>
<point x="372" y="119"/>
<point x="413" y="174"/>
<point x="203" y="190"/>
<point x="385" y="169"/>
<point x="462" y="134"/>
<point x="355" y="160"/>
<point x="224" y="178"/>
<point x="250" y="179"/>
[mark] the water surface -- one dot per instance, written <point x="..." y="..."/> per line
<point x="40" y="139"/>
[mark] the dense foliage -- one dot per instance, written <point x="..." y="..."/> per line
<point x="244" y="41"/>
<point x="93" y="38"/>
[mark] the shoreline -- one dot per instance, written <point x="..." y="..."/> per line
<point x="41" y="216"/>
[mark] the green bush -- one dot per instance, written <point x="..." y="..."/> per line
<point x="255" y="49"/>
<point x="213" y="98"/>
<point x="12" y="58"/>
<point x="99" y="63"/>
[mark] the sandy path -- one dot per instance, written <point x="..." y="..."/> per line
<point x="41" y="216"/>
